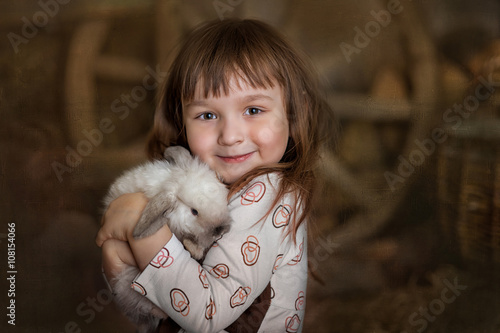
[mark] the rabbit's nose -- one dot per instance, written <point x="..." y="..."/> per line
<point x="220" y="230"/>
<point x="217" y="231"/>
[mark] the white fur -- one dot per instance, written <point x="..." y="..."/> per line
<point x="174" y="186"/>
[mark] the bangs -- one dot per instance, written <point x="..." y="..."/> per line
<point x="228" y="51"/>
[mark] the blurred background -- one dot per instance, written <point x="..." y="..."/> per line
<point x="407" y="216"/>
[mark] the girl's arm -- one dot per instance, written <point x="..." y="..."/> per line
<point x="145" y="249"/>
<point x="236" y="270"/>
<point x="117" y="225"/>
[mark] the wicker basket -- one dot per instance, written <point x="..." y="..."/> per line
<point x="469" y="189"/>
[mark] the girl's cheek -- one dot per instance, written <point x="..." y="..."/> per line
<point x="276" y="130"/>
<point x="200" y="145"/>
<point x="266" y="135"/>
<point x="196" y="146"/>
<point x="192" y="142"/>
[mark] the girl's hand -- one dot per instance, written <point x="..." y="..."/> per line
<point x="121" y="217"/>
<point x="116" y="256"/>
<point x="118" y="223"/>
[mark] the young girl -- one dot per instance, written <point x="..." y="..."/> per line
<point x="239" y="97"/>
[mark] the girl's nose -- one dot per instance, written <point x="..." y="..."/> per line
<point x="231" y="132"/>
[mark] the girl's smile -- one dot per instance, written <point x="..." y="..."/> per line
<point x="237" y="132"/>
<point x="236" y="158"/>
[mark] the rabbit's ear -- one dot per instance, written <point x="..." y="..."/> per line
<point x="177" y="155"/>
<point x="154" y="215"/>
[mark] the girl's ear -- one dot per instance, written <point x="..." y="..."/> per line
<point x="154" y="215"/>
<point x="177" y="155"/>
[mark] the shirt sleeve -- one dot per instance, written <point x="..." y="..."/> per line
<point x="236" y="270"/>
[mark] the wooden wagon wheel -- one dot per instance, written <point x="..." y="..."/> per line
<point x="380" y="207"/>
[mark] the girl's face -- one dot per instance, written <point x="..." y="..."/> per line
<point x="237" y="132"/>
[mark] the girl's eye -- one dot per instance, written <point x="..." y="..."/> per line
<point x="207" y="116"/>
<point x="253" y="111"/>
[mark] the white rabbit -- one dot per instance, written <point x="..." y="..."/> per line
<point x="185" y="194"/>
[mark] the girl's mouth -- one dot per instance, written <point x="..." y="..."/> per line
<point x="236" y="158"/>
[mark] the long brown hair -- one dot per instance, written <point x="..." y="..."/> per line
<point x="216" y="52"/>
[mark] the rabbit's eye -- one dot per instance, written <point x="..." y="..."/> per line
<point x="194" y="212"/>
